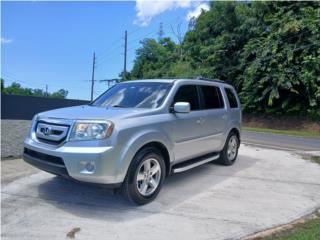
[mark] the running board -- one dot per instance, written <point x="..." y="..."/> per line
<point x="184" y="166"/>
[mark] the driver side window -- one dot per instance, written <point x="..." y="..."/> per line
<point x="188" y="93"/>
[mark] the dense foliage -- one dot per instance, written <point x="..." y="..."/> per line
<point x="16" y="89"/>
<point x="270" y="51"/>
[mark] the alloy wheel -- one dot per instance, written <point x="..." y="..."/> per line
<point x="148" y="177"/>
<point x="232" y="148"/>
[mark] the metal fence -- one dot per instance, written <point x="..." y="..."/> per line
<point x="25" y="107"/>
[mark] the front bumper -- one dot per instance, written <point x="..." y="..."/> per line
<point x="45" y="165"/>
<point x="94" y="164"/>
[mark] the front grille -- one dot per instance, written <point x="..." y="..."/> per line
<point x="44" y="157"/>
<point x="51" y="133"/>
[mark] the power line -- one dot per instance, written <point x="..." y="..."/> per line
<point x="104" y="57"/>
<point x="108" y="56"/>
<point x="33" y="85"/>
<point x="10" y="79"/>
<point x="38" y="84"/>
<point x="14" y="80"/>
<point x="111" y="44"/>
<point x="107" y="53"/>
<point x="99" y="63"/>
<point x="10" y="76"/>
<point x="167" y="24"/>
<point x="144" y="36"/>
<point x="138" y="29"/>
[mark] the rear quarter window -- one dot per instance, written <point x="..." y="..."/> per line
<point x="231" y="98"/>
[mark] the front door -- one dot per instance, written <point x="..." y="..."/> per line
<point x="188" y="128"/>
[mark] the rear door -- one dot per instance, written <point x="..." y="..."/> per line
<point x="215" y="112"/>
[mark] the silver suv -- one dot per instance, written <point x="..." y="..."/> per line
<point x="137" y="133"/>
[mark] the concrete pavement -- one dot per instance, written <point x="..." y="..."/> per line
<point x="264" y="188"/>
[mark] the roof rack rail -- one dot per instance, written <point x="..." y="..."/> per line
<point x="209" y="79"/>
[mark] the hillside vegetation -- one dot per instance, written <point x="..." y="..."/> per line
<point x="270" y="52"/>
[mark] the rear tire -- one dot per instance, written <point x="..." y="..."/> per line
<point x="145" y="176"/>
<point x="230" y="150"/>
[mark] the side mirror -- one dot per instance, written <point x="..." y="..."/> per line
<point x="181" y="107"/>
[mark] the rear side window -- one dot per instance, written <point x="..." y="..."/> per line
<point x="188" y="93"/>
<point x="231" y="98"/>
<point x="212" y="98"/>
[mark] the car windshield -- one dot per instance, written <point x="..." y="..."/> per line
<point x="134" y="95"/>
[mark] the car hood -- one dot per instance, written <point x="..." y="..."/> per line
<point x="86" y="112"/>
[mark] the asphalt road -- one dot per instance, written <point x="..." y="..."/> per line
<point x="263" y="189"/>
<point x="278" y="141"/>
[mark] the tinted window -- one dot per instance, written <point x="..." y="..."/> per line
<point x="188" y="93"/>
<point x="231" y="98"/>
<point x="211" y="97"/>
<point x="134" y="95"/>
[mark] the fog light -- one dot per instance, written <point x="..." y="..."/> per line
<point x="89" y="167"/>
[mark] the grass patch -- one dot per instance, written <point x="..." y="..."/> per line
<point x="316" y="159"/>
<point x="307" y="228"/>
<point x="283" y="132"/>
<point x="310" y="230"/>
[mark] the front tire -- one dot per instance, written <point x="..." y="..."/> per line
<point x="144" y="177"/>
<point x="230" y="150"/>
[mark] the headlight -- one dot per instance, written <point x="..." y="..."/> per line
<point x="82" y="130"/>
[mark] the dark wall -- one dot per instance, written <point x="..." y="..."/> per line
<point x="25" y="107"/>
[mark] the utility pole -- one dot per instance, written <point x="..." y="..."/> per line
<point x="124" y="76"/>
<point x="92" y="79"/>
<point x="46" y="90"/>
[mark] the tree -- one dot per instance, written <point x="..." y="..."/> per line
<point x="270" y="51"/>
<point x="154" y="59"/>
<point x="282" y="66"/>
<point x="17" y="89"/>
<point x="59" y="94"/>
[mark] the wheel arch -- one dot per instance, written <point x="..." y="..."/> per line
<point x="138" y="142"/>
<point x="163" y="151"/>
<point x="236" y="131"/>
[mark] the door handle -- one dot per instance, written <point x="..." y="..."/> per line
<point x="201" y="120"/>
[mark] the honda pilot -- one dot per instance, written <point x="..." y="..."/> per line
<point x="137" y="133"/>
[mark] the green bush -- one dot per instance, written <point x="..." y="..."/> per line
<point x="270" y="51"/>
